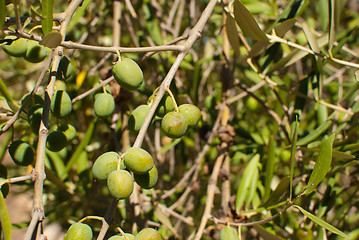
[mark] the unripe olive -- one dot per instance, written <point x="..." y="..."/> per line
<point x="34" y="116"/>
<point x="228" y="233"/>
<point x="147" y="180"/>
<point x="68" y="130"/>
<point x="128" y="74"/>
<point x="304" y="234"/>
<point x="191" y="113"/>
<point x="166" y="105"/>
<point x="252" y="104"/>
<point x="138" y="160"/>
<point x="104" y="105"/>
<point x="35" y="52"/>
<point x="16" y="47"/>
<point x="174" y="125"/>
<point x="148" y="234"/>
<point x="120" y="237"/>
<point x="137" y="117"/>
<point x="21" y="153"/>
<point x="79" y="231"/>
<point x="65" y="69"/>
<point x="61" y="105"/>
<point x="56" y="141"/>
<point x="120" y="184"/>
<point x="105" y="164"/>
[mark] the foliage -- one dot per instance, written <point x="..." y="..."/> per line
<point x="275" y="154"/>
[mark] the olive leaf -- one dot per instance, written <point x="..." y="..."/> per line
<point x="47" y="12"/>
<point x="322" y="164"/>
<point x="247" y="23"/>
<point x="322" y="223"/>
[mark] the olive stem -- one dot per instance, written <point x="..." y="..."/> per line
<point x="91" y="217"/>
<point x="172" y="98"/>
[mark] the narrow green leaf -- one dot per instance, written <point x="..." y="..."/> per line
<point x="331" y="25"/>
<point x="252" y="189"/>
<point x="310" y="38"/>
<point x="80" y="12"/>
<point x="296" y="55"/>
<point x="164" y="219"/>
<point x="47" y="16"/>
<point x="246" y="181"/>
<point x="247" y="23"/>
<point x="2" y="14"/>
<point x="322" y="223"/>
<point x="284" y="27"/>
<point x="315" y="134"/>
<point x="293" y="150"/>
<point x="52" y="39"/>
<point x="271" y="159"/>
<point x="4" y="144"/>
<point x="279" y="191"/>
<point x="322" y="164"/>
<point x="58" y="163"/>
<point x="5" y="219"/>
<point x="85" y="141"/>
<point x="82" y="162"/>
<point x="232" y="34"/>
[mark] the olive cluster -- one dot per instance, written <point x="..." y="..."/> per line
<point x="82" y="231"/>
<point x="115" y="169"/>
<point x="174" y="123"/>
<point x="30" y="50"/>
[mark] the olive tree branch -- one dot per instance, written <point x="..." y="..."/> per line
<point x="193" y="36"/>
<point x="39" y="172"/>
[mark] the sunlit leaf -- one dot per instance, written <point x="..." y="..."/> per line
<point x="279" y="191"/>
<point x="284" y="27"/>
<point x="232" y="34"/>
<point x="247" y="23"/>
<point x="47" y="12"/>
<point x="269" y="167"/>
<point x="322" y="164"/>
<point x="322" y="223"/>
<point x="315" y="133"/>
<point x="246" y="180"/>
<point x="5" y="219"/>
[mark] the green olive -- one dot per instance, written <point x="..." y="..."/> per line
<point x="120" y="184"/>
<point x="21" y="153"/>
<point x="104" y="105"/>
<point x="252" y="104"/>
<point x="65" y="69"/>
<point x="79" y="231"/>
<point x="148" y="234"/>
<point x="166" y="105"/>
<point x="147" y="180"/>
<point x="137" y="117"/>
<point x="174" y="125"/>
<point x="56" y="141"/>
<point x="191" y="113"/>
<point x="105" y="164"/>
<point x="61" y="105"/>
<point x="68" y="130"/>
<point x="128" y="74"/>
<point x="228" y="233"/>
<point x="138" y="160"/>
<point x="16" y="47"/>
<point x="35" y="52"/>
<point x="34" y="116"/>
